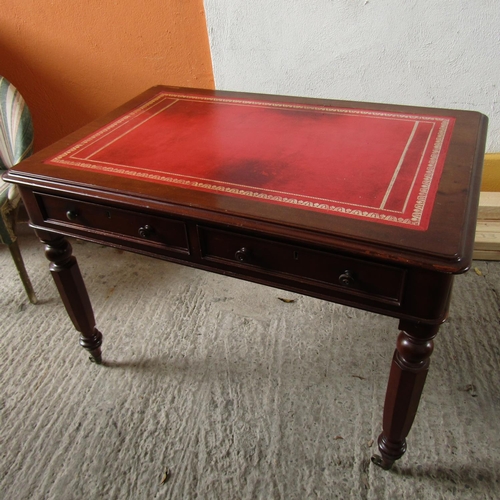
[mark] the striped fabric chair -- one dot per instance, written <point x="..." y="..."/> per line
<point x="16" y="143"/>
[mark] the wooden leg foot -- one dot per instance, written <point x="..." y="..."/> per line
<point x="389" y="452"/>
<point x="69" y="282"/>
<point x="382" y="462"/>
<point x="409" y="368"/>
<point x="93" y="346"/>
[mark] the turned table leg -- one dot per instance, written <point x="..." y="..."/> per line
<point x="406" y="382"/>
<point x="69" y="282"/>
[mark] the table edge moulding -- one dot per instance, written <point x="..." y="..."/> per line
<point x="368" y="205"/>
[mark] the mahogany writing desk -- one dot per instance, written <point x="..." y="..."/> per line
<point x="368" y="205"/>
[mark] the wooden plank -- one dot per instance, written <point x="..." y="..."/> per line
<point x="487" y="235"/>
<point x="487" y="240"/>
<point x="488" y="226"/>
<point x="486" y="255"/>
<point x="489" y="205"/>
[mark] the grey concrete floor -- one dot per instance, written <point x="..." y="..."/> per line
<point x="237" y="393"/>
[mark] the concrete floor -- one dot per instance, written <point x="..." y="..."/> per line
<point x="239" y="394"/>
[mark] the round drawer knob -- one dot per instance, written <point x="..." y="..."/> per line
<point x="146" y="231"/>
<point x="242" y="254"/>
<point x="72" y="215"/>
<point x="347" y="278"/>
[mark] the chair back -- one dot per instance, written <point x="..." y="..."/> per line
<point x="16" y="126"/>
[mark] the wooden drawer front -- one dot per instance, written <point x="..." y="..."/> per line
<point x="355" y="276"/>
<point x="148" y="228"/>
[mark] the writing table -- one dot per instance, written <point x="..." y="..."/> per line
<point x="368" y="205"/>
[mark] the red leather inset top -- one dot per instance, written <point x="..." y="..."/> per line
<point x="377" y="165"/>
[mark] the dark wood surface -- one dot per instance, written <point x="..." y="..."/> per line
<point x="443" y="246"/>
<point x="381" y="268"/>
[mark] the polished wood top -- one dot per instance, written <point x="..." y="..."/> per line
<point x="393" y="181"/>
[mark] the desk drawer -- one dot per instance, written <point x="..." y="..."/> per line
<point x="149" y="229"/>
<point x="321" y="268"/>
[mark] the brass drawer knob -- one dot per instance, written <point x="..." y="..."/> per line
<point x="146" y="231"/>
<point x="347" y="278"/>
<point x="72" y="215"/>
<point x="242" y="255"/>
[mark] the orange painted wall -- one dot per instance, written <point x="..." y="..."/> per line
<point x="74" y="61"/>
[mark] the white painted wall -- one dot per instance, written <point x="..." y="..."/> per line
<point x="442" y="53"/>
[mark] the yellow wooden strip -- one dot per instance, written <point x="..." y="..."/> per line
<point x="491" y="172"/>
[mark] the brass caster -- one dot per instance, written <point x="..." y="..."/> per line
<point x="381" y="462"/>
<point x="97" y="361"/>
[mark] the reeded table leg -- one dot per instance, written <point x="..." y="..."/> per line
<point x="406" y="382"/>
<point x="69" y="282"/>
